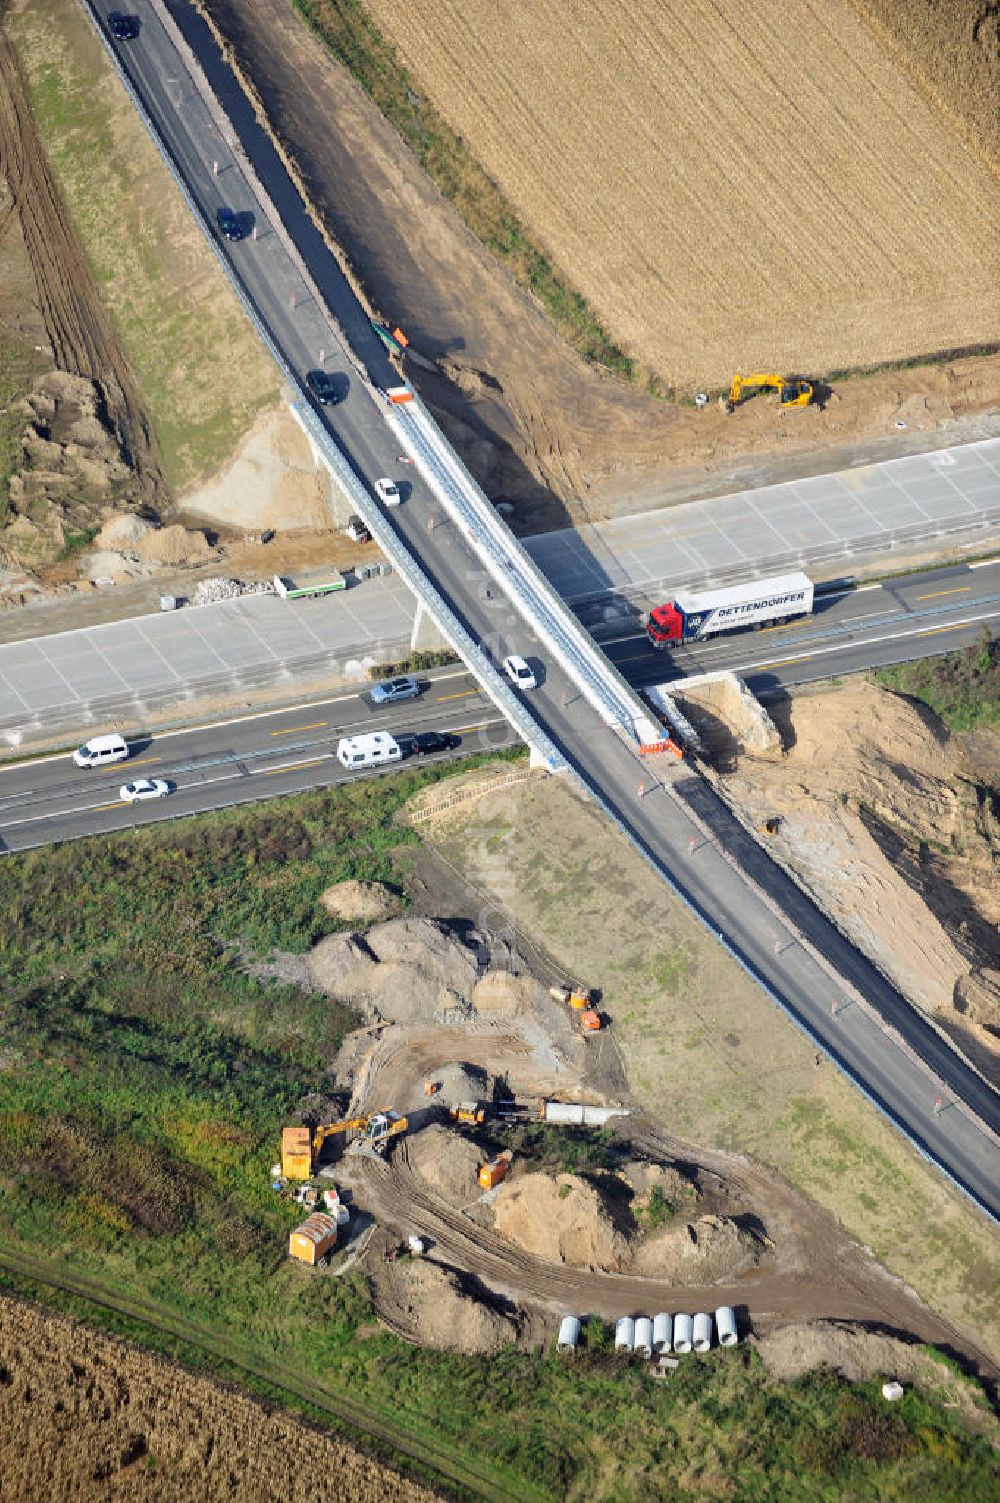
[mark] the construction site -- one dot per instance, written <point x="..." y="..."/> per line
<point x="483" y="1161"/>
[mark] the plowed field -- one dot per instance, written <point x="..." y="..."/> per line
<point x="727" y="185"/>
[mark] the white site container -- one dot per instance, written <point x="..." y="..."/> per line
<point x="702" y="1332"/>
<point x="569" y="1334"/>
<point x="725" y="1324"/>
<point x="663" y="1330"/>
<point x="683" y="1333"/>
<point x="643" y="1344"/>
<point x="625" y="1334"/>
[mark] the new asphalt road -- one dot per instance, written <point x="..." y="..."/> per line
<point x="670" y="815"/>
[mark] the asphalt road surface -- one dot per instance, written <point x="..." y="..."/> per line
<point x="895" y="1054"/>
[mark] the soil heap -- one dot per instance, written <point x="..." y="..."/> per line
<point x="426" y="1301"/>
<point x="358" y="902"/>
<point x="406" y="970"/>
<point x="698" y="1252"/>
<point x="447" y="1161"/>
<point x="562" y="1219"/>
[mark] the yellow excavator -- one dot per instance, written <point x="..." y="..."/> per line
<point x="301" y="1147"/>
<point x="794" y="391"/>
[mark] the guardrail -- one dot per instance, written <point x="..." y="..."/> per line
<point x="507" y="560"/>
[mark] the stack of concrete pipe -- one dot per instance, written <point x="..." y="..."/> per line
<point x="641" y="1336"/>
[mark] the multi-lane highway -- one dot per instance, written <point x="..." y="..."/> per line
<point x="670" y="816"/>
<point x="255" y="756"/>
<point x="250" y="757"/>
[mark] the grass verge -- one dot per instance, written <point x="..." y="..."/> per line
<point x="962" y="687"/>
<point x="203" y="372"/>
<point x="350" y="34"/>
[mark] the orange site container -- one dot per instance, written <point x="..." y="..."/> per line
<point x="590" y="1021"/>
<point x="494" y="1171"/>
<point x="313" y="1239"/>
<point x="579" y="997"/>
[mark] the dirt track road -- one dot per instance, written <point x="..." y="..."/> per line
<point x="79" y="331"/>
<point x="813" y="1271"/>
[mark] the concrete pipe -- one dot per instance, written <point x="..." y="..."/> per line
<point x="643" y="1344"/>
<point x="725" y="1324"/>
<point x="702" y="1332"/>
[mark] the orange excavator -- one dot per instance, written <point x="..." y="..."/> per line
<point x="301" y="1148"/>
<point x="794" y="391"/>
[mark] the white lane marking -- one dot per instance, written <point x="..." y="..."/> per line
<point x="214" y="725"/>
<point x="869" y="642"/>
<point x="983" y="563"/>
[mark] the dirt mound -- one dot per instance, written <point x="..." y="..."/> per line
<point x="340" y="966"/>
<point x="703" y="1251"/>
<point x="121" y="532"/>
<point x="656" y="1182"/>
<point x="174" y="545"/>
<point x="428" y="946"/>
<point x="432" y="1305"/>
<point x="463" y="1082"/>
<point x="88" y="1418"/>
<point x="561" y="1219"/>
<point x="359" y="902"/>
<point x="884" y="824"/>
<point x="502" y="994"/>
<point x="406" y="970"/>
<point x="447" y="1161"/>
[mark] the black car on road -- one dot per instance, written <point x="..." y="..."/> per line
<point x="426" y="743"/>
<point x="323" y="386"/>
<point x="123" y="28"/>
<point x="232" y="226"/>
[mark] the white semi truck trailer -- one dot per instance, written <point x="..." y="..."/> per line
<point x="691" y="616"/>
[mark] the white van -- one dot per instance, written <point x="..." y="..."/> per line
<point x="100" y="750"/>
<point x="369" y="751"/>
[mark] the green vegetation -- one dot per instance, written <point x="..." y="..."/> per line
<point x="962" y="687"/>
<point x="78" y="542"/>
<point x="417" y="662"/>
<point x="202" y="370"/>
<point x="351" y="35"/>
<point x="144" y="1077"/>
<point x="18" y="368"/>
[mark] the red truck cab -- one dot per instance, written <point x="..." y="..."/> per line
<point x="665" y="624"/>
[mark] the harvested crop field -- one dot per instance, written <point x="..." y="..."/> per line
<point x="759" y="187"/>
<point x="85" y="1417"/>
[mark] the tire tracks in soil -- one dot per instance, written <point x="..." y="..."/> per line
<point x="78" y="328"/>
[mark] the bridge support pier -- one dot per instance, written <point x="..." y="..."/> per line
<point x="426" y="635"/>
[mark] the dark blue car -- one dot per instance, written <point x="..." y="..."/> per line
<point x="231" y="224"/>
<point x="123" y="28"/>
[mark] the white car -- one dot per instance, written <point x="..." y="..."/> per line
<point x="519" y="673"/>
<point x="388" y="492"/>
<point x="143" y="788"/>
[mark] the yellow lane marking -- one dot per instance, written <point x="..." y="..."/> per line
<point x="272" y="772"/>
<point x="936" y="594"/>
<point x="777" y="663"/>
<point x="934" y="630"/>
<point x="118" y="804"/>
<point x="463" y="730"/>
<point x="791" y="626"/>
<point x="144" y="761"/>
<point x="463" y="694"/>
<point x="634" y="658"/>
<point x="313" y="725"/>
